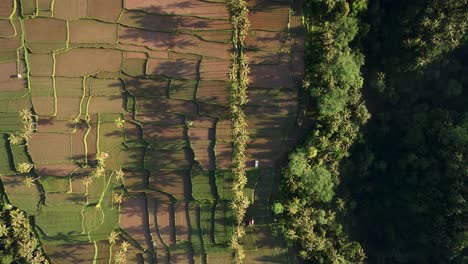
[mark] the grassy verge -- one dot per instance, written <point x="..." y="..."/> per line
<point x="239" y="83"/>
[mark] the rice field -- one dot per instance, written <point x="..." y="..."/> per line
<point x="132" y="133"/>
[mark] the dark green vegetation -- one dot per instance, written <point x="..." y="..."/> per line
<point x="396" y="184"/>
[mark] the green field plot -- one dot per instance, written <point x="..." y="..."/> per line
<point x="103" y="252"/>
<point x="69" y="87"/>
<point x="201" y="184"/>
<point x="42" y="86"/>
<point x="53" y="184"/>
<point x="106" y="87"/>
<point x="100" y="221"/>
<point x="10" y="122"/>
<point x="224" y="183"/>
<point x="6" y="160"/>
<point x="28" y="7"/>
<point x="223" y="223"/>
<point x="132" y="158"/>
<point x="110" y="135"/>
<point x="195" y="231"/>
<point x="134" y="67"/>
<point x="20" y="154"/>
<point x="159" y="104"/>
<point x="41" y="64"/>
<point x="22" y="196"/>
<point x="44" y="105"/>
<point x="182" y="89"/>
<point x="61" y="223"/>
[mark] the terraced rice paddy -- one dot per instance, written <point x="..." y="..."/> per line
<point x="147" y="83"/>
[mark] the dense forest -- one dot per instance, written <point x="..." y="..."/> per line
<point x="381" y="177"/>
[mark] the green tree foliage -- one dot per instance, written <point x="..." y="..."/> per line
<point x="333" y="82"/>
<point x="406" y="178"/>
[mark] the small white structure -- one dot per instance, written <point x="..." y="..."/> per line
<point x="256" y="164"/>
<point x="19" y="76"/>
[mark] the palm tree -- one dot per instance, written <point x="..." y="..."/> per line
<point x="87" y="181"/>
<point x="119" y="122"/>
<point x="118" y="198"/>
<point x="15" y="139"/>
<point x="119" y="174"/>
<point x="29" y="181"/>
<point x="113" y="236"/>
<point x="125" y="246"/>
<point x="18" y="219"/>
<point x="3" y="229"/>
<point x="24" y="167"/>
<point x="120" y="257"/>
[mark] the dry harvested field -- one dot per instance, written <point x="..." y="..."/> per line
<point x="132" y="136"/>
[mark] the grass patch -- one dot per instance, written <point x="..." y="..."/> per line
<point x="54" y="184"/>
<point x="201" y="188"/>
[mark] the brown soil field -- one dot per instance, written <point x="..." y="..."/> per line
<point x="41" y="64"/>
<point x="182" y="258"/>
<point x="106" y="10"/>
<point x="46" y="148"/>
<point x="77" y="180"/>
<point x="91" y="140"/>
<point x="265" y="40"/>
<point x="132" y="157"/>
<point x="106" y="87"/>
<point x="217" y="92"/>
<point x="182" y="89"/>
<point x="201" y="133"/>
<point x="185" y="43"/>
<point x="43" y="105"/>
<point x="204" y="154"/>
<point x="103" y="248"/>
<point x="134" y="220"/>
<point x="182" y="226"/>
<point x="57" y="170"/>
<point x="146" y="87"/>
<point x="162" y="255"/>
<point x="215" y="69"/>
<point x="273" y="98"/>
<point x="10" y="43"/>
<point x="78" y="147"/>
<point x="84" y="61"/>
<point x="107" y="104"/>
<point x="179" y="69"/>
<point x="181" y="7"/>
<point x="70" y="253"/>
<point x="91" y="31"/>
<point x="6" y="29"/>
<point x="153" y="132"/>
<point x="69" y="87"/>
<point x="297" y="66"/>
<point x="270" y="110"/>
<point x="175" y="182"/>
<point x="224" y="130"/>
<point x="165" y="218"/>
<point x="68" y="107"/>
<point x="271" y="76"/>
<point x="136" y="180"/>
<point x="167" y="119"/>
<point x="221" y="36"/>
<point x="133" y="132"/>
<point x="262" y="57"/>
<point x="272" y="18"/>
<point x="203" y="121"/>
<point x="223" y="152"/>
<point x="70" y="9"/>
<point x="135" y="55"/>
<point x="220" y="258"/>
<point x="155" y="104"/>
<point x="45" y="29"/>
<point x="6" y="7"/>
<point x="7" y="82"/>
<point x="267" y="151"/>
<point x="197" y="23"/>
<point x="269" y="126"/>
<point x="215" y="110"/>
<point x="168" y="159"/>
<point x="144" y="20"/>
<point x="145" y="38"/>
<point x="52" y="125"/>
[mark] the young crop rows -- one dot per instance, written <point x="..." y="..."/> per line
<point x="127" y="152"/>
